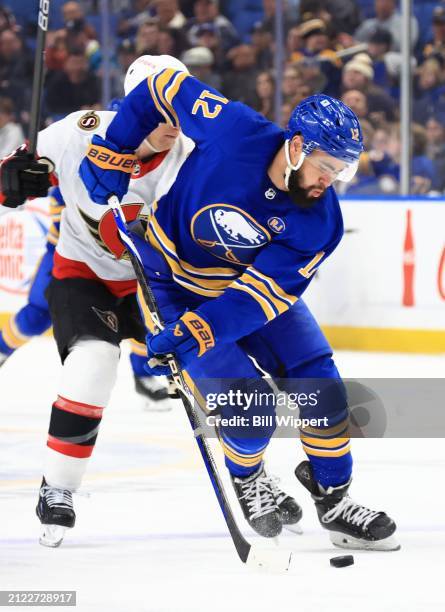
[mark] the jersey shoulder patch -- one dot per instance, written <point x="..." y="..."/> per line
<point x="89" y="121"/>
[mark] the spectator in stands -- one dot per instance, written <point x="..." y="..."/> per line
<point x="436" y="47"/>
<point x="169" y="15"/>
<point x="385" y="165"/>
<point x="358" y="73"/>
<point x="171" y="41"/>
<point x="435" y="147"/>
<point x="200" y="60"/>
<point x="147" y="38"/>
<point x="387" y="18"/>
<point x="262" y="42"/>
<point x="316" y="46"/>
<point x="207" y="35"/>
<point x="74" y="19"/>
<point x="294" y="88"/>
<point x="78" y="37"/>
<point x="132" y="19"/>
<point x="239" y="82"/>
<point x="343" y="15"/>
<point x="265" y="92"/>
<point x="11" y="133"/>
<point x="429" y="89"/>
<point x="379" y="45"/>
<point x="7" y="19"/>
<point x="16" y="69"/>
<point x="356" y="100"/>
<point x="207" y="12"/>
<point x="76" y="87"/>
<point x="269" y="16"/>
<point x="56" y="50"/>
<point x="125" y="56"/>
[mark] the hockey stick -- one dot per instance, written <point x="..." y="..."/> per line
<point x="39" y="68"/>
<point x="270" y="559"/>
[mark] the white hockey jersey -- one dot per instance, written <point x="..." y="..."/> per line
<point x="88" y="237"/>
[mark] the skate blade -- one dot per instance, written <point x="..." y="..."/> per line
<point x="52" y="535"/>
<point x="344" y="541"/>
<point x="294" y="528"/>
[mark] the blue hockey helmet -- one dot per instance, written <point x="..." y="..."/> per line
<point x="327" y="125"/>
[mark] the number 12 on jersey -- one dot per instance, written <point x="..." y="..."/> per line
<point x="202" y="104"/>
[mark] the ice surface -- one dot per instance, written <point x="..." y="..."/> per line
<point x="150" y="536"/>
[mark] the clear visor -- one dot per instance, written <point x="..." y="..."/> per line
<point x="332" y="168"/>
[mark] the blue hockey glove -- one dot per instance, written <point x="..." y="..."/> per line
<point x="106" y="171"/>
<point x="188" y="338"/>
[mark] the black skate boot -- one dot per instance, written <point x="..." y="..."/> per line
<point x="290" y="511"/>
<point x="56" y="513"/>
<point x="258" y="503"/>
<point x="351" y="525"/>
<point x="3" y="358"/>
<point x="155" y="393"/>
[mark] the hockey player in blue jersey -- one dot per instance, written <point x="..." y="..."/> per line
<point x="230" y="249"/>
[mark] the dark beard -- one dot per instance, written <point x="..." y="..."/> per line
<point x="299" y="194"/>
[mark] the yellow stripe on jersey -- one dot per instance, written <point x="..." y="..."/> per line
<point x="193" y="279"/>
<point x="325" y="443"/>
<point x="163" y="91"/>
<point x="260" y="299"/>
<point x="315" y="452"/>
<point x="241" y="459"/>
<point x="333" y="431"/>
<point x="279" y="291"/>
<point x="12" y="336"/>
<point x="138" y="348"/>
<point x="262" y="288"/>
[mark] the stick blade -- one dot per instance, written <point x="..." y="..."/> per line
<point x="269" y="560"/>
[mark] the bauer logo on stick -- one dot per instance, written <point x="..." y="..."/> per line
<point x="89" y="122"/>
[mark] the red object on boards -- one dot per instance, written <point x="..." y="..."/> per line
<point x="408" y="263"/>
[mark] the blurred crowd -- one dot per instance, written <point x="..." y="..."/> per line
<point x="349" y="49"/>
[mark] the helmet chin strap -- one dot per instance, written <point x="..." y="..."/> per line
<point x="290" y="166"/>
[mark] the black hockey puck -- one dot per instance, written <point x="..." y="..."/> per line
<point x="342" y="561"/>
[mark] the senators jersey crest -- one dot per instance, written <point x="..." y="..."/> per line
<point x="104" y="230"/>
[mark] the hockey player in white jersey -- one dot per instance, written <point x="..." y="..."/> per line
<point x="92" y="297"/>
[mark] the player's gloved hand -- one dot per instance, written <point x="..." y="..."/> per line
<point x="106" y="171"/>
<point x="187" y="338"/>
<point x="23" y="177"/>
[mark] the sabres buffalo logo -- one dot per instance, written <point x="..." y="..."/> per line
<point x="228" y="232"/>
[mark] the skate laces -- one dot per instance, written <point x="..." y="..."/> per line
<point x="259" y="497"/>
<point x="278" y="493"/>
<point x="57" y="497"/>
<point x="351" y="511"/>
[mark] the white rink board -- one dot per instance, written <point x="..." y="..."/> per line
<point x="22" y="243"/>
<point x="362" y="282"/>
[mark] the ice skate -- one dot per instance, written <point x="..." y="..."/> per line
<point x="257" y="500"/>
<point x="290" y="511"/>
<point x="350" y="524"/>
<point x="3" y="358"/>
<point x="155" y="393"/>
<point x="56" y="513"/>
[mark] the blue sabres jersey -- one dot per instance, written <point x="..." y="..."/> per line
<point x="56" y="206"/>
<point x="228" y="234"/>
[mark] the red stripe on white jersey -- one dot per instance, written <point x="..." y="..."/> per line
<point x="70" y="449"/>
<point x="86" y="410"/>
<point x="70" y="268"/>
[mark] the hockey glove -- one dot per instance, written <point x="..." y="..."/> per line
<point x="188" y="338"/>
<point x="106" y="171"/>
<point x="23" y="177"/>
